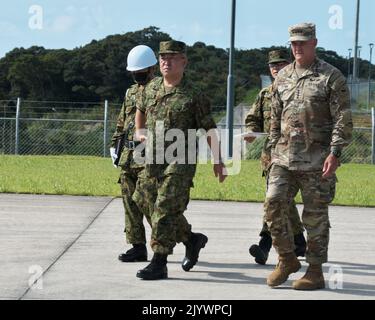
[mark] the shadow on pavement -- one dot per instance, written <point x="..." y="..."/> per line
<point x="249" y="265"/>
<point x="226" y="277"/>
<point x="349" y="288"/>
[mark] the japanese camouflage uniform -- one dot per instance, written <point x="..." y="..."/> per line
<point x="130" y="170"/>
<point x="310" y="117"/>
<point x="259" y="116"/>
<point x="167" y="186"/>
<point x="258" y="120"/>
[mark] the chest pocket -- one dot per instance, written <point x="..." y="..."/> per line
<point x="156" y="111"/>
<point x="287" y="90"/>
<point x="315" y="89"/>
<point x="179" y="112"/>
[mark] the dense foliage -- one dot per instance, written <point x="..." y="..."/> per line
<point x="97" y="71"/>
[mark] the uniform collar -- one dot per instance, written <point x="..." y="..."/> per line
<point x="313" y="69"/>
<point x="180" y="88"/>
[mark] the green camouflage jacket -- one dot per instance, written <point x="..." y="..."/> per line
<point x="126" y="122"/>
<point x="182" y="107"/>
<point x="258" y="119"/>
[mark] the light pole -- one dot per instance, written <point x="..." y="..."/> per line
<point x="350" y="55"/>
<point x="350" y="78"/>
<point x="230" y="87"/>
<point x="356" y="43"/>
<point x="371" y="45"/>
<point x="355" y="66"/>
<point x="358" y="62"/>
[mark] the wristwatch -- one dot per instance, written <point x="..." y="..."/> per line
<point x="336" y="152"/>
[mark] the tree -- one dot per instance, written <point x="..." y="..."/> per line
<point x="97" y="71"/>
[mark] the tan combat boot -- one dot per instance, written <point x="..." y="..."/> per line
<point x="288" y="263"/>
<point x="312" y="280"/>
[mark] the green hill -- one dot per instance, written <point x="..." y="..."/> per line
<point x="97" y="71"/>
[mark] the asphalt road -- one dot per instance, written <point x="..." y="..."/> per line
<point x="66" y="247"/>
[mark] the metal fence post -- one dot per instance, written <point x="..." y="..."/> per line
<point x="373" y="134"/>
<point x="105" y="128"/>
<point x="16" y="147"/>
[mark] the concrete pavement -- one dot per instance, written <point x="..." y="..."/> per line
<point x="66" y="247"/>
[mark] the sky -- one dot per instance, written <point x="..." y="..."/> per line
<point x="68" y="24"/>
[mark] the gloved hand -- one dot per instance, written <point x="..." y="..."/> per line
<point x="113" y="156"/>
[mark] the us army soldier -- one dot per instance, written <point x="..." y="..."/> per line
<point x="310" y="124"/>
<point x="258" y="120"/>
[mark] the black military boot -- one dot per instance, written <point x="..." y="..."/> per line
<point x="196" y="242"/>
<point x="300" y="244"/>
<point x="260" y="252"/>
<point x="136" y="254"/>
<point x="157" y="269"/>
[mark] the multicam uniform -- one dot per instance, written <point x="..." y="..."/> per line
<point x="310" y="116"/>
<point x="258" y="120"/>
<point x="167" y="186"/>
<point x="130" y="170"/>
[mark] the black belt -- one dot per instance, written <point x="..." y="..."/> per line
<point x="130" y="144"/>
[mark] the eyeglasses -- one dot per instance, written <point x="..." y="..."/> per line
<point x="276" y="65"/>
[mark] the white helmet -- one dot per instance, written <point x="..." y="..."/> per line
<point x="141" y="57"/>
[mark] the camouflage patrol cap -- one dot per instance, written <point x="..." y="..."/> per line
<point x="172" y="46"/>
<point x="276" y="56"/>
<point x="302" y="32"/>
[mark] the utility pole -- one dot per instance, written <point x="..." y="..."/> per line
<point x="16" y="147"/>
<point x="358" y="62"/>
<point x="350" y="78"/>
<point x="230" y="87"/>
<point x="350" y="56"/>
<point x="355" y="67"/>
<point x="371" y="45"/>
<point x="105" y="125"/>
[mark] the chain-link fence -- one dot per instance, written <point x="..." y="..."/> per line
<point x="362" y="94"/>
<point x="56" y="128"/>
<point x="360" y="150"/>
<point x="85" y="128"/>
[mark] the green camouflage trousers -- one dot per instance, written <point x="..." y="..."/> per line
<point x="134" y="228"/>
<point x="166" y="198"/>
<point x="316" y="193"/>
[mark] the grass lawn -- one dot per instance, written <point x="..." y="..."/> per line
<point x="94" y="176"/>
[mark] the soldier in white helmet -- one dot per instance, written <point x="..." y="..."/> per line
<point x="141" y="63"/>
